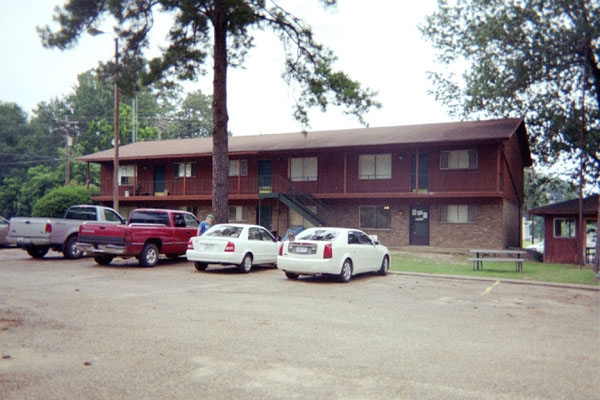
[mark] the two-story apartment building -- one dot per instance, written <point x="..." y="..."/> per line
<point x="450" y="185"/>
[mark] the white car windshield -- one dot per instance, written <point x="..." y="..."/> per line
<point x="322" y="235"/>
<point x="224" y="231"/>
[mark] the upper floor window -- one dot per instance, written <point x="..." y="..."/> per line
<point x="458" y="159"/>
<point x="564" y="227"/>
<point x="303" y="169"/>
<point x="375" y="166"/>
<point x="126" y="175"/>
<point x="457" y="214"/>
<point x="238" y="167"/>
<point x="181" y="170"/>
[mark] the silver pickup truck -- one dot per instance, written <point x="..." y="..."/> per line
<point x="38" y="235"/>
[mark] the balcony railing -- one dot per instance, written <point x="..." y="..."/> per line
<point x="447" y="181"/>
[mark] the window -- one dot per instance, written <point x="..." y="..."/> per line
<point x="375" y="166"/>
<point x="112" y="216"/>
<point x="355" y="237"/>
<point x="260" y="234"/>
<point x="126" y="175"/>
<point x="564" y="228"/>
<point x="237" y="213"/>
<point x="458" y="159"/>
<point x="181" y="170"/>
<point x="296" y="219"/>
<point x="457" y="214"/>
<point x="238" y="167"/>
<point x="375" y="217"/>
<point x="303" y="169"/>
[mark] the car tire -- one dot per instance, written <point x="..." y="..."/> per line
<point x="200" y="266"/>
<point x="103" y="259"/>
<point x="346" y="272"/>
<point x="385" y="266"/>
<point x="37" y="251"/>
<point x="246" y="264"/>
<point x="149" y="255"/>
<point x="291" y="275"/>
<point x="70" y="251"/>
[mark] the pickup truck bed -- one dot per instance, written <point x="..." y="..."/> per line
<point x="149" y="233"/>
<point x="38" y="235"/>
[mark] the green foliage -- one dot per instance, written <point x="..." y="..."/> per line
<point x="541" y="190"/>
<point x="223" y="30"/>
<point x="56" y="202"/>
<point x="537" y="59"/>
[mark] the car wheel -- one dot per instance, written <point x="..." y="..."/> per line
<point x="200" y="266"/>
<point x="103" y="259"/>
<point x="246" y="264"/>
<point x="385" y="266"/>
<point x="291" y="275"/>
<point x="346" y="272"/>
<point x="70" y="251"/>
<point x="149" y="255"/>
<point x="37" y="252"/>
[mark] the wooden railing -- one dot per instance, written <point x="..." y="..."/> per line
<point x="446" y="181"/>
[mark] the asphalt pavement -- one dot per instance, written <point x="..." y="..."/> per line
<point x="72" y="329"/>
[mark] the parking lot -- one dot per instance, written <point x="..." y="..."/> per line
<point x="73" y="329"/>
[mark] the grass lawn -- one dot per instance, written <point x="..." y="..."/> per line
<point x="458" y="264"/>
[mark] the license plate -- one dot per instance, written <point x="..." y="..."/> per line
<point x="301" y="250"/>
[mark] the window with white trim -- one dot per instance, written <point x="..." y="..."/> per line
<point x="181" y="170"/>
<point x="237" y="213"/>
<point x="238" y="167"/>
<point x="375" y="217"/>
<point x="564" y="227"/>
<point x="126" y="175"/>
<point x="303" y="169"/>
<point x="458" y="159"/>
<point x="457" y="214"/>
<point x="375" y="166"/>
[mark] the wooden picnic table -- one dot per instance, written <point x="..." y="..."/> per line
<point x="497" y="255"/>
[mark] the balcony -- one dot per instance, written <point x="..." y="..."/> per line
<point x="444" y="182"/>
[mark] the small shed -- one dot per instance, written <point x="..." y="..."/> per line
<point x="562" y="236"/>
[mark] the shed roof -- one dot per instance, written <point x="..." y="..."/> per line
<point x="450" y="132"/>
<point x="569" y="207"/>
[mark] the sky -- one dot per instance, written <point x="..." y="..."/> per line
<point x="379" y="45"/>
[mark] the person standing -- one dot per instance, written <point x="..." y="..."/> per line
<point x="206" y="224"/>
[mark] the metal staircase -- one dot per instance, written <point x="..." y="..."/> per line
<point x="303" y="203"/>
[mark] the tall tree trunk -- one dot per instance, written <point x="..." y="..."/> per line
<point x="220" y="157"/>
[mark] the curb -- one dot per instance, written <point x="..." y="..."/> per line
<point x="513" y="281"/>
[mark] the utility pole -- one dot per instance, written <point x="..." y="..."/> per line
<point x="68" y="125"/>
<point x="116" y="122"/>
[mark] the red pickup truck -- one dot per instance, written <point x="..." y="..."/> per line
<point x="148" y="233"/>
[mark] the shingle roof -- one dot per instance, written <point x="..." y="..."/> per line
<point x="500" y="129"/>
<point x="569" y="207"/>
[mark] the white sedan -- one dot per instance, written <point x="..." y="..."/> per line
<point x="337" y="251"/>
<point x="241" y="244"/>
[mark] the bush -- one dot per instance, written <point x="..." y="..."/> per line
<point x="56" y="202"/>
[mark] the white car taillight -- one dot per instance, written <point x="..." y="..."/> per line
<point x="327" y="251"/>
<point x="190" y="245"/>
<point x="230" y="247"/>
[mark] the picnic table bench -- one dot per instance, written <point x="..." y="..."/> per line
<point x="497" y="255"/>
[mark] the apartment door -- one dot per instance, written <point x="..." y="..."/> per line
<point x="264" y="217"/>
<point x="419" y="178"/>
<point x="265" y="176"/>
<point x="159" y="178"/>
<point x="419" y="226"/>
